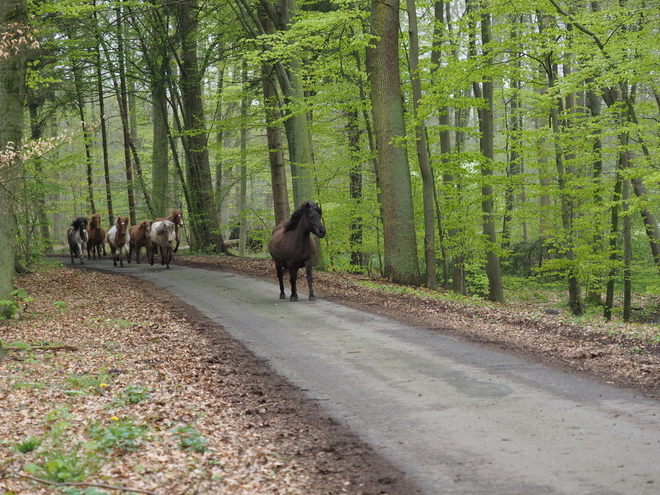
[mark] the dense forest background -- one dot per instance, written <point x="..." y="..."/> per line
<point x="450" y="144"/>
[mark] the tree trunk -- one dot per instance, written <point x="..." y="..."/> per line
<point x="77" y="80"/>
<point x="487" y="145"/>
<point x="422" y="152"/>
<point x="104" y="130"/>
<point x="13" y="13"/>
<point x="204" y="224"/>
<point x="160" y="172"/>
<point x="274" y="137"/>
<point x="394" y="173"/>
<point x="242" y="197"/>
<point x="355" y="192"/>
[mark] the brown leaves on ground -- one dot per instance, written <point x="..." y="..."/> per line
<point x="108" y="383"/>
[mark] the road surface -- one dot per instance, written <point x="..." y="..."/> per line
<point x="456" y="418"/>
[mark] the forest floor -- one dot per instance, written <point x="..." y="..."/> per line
<point x="110" y="384"/>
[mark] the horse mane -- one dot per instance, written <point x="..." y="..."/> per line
<point x="293" y="222"/>
<point x="78" y="223"/>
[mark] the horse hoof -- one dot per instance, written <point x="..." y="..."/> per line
<point x="282" y="296"/>
<point x="312" y="298"/>
<point x="293" y="298"/>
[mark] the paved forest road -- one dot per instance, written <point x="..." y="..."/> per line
<point x="456" y="418"/>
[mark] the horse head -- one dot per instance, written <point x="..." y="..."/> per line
<point x="80" y="224"/>
<point x="313" y="214"/>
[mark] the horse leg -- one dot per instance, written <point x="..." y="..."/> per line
<point x="81" y="250"/>
<point x="294" y="289"/>
<point x="280" y="277"/>
<point x="310" y="280"/>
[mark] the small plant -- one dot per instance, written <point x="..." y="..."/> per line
<point x="121" y="435"/>
<point x="61" y="305"/>
<point x="11" y="308"/>
<point x="28" y="445"/>
<point x="86" y="384"/>
<point x="189" y="439"/>
<point x="62" y="466"/>
<point x="132" y="395"/>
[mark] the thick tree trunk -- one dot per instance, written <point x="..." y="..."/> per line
<point x="12" y="94"/>
<point x="274" y="137"/>
<point x="198" y="170"/>
<point x="401" y="264"/>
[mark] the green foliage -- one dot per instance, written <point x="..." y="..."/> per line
<point x="86" y="384"/>
<point x="132" y="395"/>
<point x="122" y="435"/>
<point x="63" y="465"/>
<point x="60" y="305"/>
<point x="189" y="439"/>
<point x="13" y="307"/>
<point x="28" y="445"/>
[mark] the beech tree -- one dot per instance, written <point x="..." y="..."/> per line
<point x="13" y="22"/>
<point x="394" y="172"/>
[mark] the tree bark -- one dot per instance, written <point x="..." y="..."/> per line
<point x="13" y="13"/>
<point x="422" y="152"/>
<point x="400" y="243"/>
<point x="203" y="220"/>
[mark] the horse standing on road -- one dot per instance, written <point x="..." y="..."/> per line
<point x="292" y="247"/>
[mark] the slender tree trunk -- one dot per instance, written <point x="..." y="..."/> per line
<point x="104" y="129"/>
<point x="123" y="110"/>
<point x="394" y="172"/>
<point x="36" y="132"/>
<point x="442" y="22"/>
<point x="487" y="145"/>
<point x="296" y="125"/>
<point x="422" y="152"/>
<point x="355" y="192"/>
<point x="242" y="197"/>
<point x="77" y="79"/>
<point x="617" y="200"/>
<point x="627" y="254"/>
<point x="160" y="172"/>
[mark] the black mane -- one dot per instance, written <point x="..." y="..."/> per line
<point x="297" y="215"/>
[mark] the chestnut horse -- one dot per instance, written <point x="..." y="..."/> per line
<point x="96" y="234"/>
<point x="140" y="238"/>
<point x="292" y="247"/>
<point x="176" y="217"/>
<point x="77" y="237"/>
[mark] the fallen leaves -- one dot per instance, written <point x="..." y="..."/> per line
<point x="121" y="389"/>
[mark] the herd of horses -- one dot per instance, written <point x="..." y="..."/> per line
<point x="124" y="241"/>
<point x="291" y="245"/>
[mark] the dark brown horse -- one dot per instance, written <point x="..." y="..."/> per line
<point x="292" y="247"/>
<point x="96" y="234"/>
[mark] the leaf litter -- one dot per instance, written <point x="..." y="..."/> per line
<point x="111" y="384"/>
